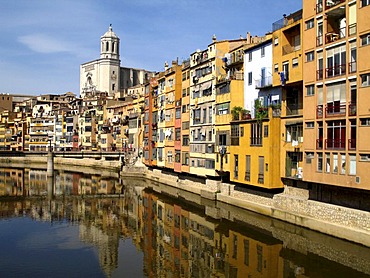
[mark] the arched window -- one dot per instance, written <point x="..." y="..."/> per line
<point x="113" y="47"/>
<point x="107" y="46"/>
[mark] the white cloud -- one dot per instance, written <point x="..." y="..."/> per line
<point x="44" y="44"/>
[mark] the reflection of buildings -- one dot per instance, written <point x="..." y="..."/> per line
<point x="179" y="240"/>
<point x="11" y="182"/>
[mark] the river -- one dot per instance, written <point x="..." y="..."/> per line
<point x="94" y="226"/>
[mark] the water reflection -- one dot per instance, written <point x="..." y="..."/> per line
<point x="176" y="238"/>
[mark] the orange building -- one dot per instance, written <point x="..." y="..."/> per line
<point x="336" y="88"/>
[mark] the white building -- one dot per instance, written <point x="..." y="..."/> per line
<point x="106" y="74"/>
<point x="257" y="72"/>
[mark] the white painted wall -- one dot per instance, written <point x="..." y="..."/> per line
<point x="255" y="65"/>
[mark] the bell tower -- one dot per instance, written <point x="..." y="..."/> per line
<point x="109" y="45"/>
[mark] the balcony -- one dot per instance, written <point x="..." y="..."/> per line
<point x="332" y="3"/>
<point x="351" y="144"/>
<point x="256" y="141"/>
<point x="290" y="48"/>
<point x="319" y="111"/>
<point x="337" y="70"/>
<point x="319" y="144"/>
<point x="264" y="82"/>
<point x="335" y="110"/>
<point x="319" y="40"/>
<point x="335" y="144"/>
<point x="352" y="109"/>
<point x="319" y="74"/>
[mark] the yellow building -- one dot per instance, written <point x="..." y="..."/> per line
<point x="288" y="76"/>
<point x="336" y="99"/>
<point x="254" y="151"/>
<point x="229" y="95"/>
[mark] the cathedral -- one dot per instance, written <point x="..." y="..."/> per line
<point x="106" y="74"/>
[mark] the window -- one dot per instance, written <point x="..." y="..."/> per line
<point x="365" y="3"/>
<point x="310" y="124"/>
<point x="223" y="108"/>
<point x="185" y="125"/>
<point x="310" y="24"/>
<point x="364" y="157"/>
<point x="177" y="156"/>
<point x="343" y="164"/>
<point x="250" y="56"/>
<point x="177" y="134"/>
<point x="294" y="133"/>
<point x="263" y="51"/>
<point x="276" y="41"/>
<point x="236" y="166"/>
<point x="256" y="134"/>
<point x="310" y="90"/>
<point x="352" y="164"/>
<point x="222" y="139"/>
<point x="235" y="135"/>
<point x="249" y="78"/>
<point x="365" y="40"/>
<point x="266" y="131"/>
<point x="319" y="162"/>
<point x="309" y="157"/>
<point x="276" y="68"/>
<point x="310" y="56"/>
<point x="185" y="140"/>
<point x="295" y="62"/>
<point x="365" y="121"/>
<point x="335" y="163"/>
<point x="336" y="61"/>
<point x="365" y="80"/>
<point x="261" y="164"/>
<point x="178" y="113"/>
<point x="246" y="252"/>
<point x="247" y="167"/>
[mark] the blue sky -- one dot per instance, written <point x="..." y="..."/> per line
<point x="43" y="42"/>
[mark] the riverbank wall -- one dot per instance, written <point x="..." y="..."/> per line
<point x="292" y="205"/>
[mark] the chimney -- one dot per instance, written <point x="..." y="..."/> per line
<point x="248" y="37"/>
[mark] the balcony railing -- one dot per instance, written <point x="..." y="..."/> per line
<point x="335" y="110"/>
<point x="336" y="71"/>
<point x="290" y="48"/>
<point x="352" y="109"/>
<point x="256" y="141"/>
<point x="332" y="3"/>
<point x="338" y="144"/>
<point x="264" y="82"/>
<point x="351" y="144"/>
<point x="352" y="67"/>
<point x="319" y="74"/>
<point x="319" y="144"/>
<point x="319" y="111"/>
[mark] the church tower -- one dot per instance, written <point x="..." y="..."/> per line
<point x="109" y="45"/>
<point x="102" y="75"/>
